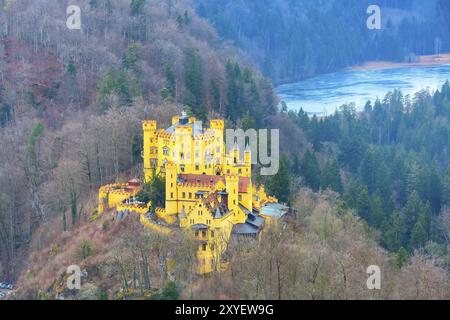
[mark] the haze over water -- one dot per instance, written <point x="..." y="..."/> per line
<point x="325" y="93"/>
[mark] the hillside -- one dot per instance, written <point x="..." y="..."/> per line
<point x="370" y="187"/>
<point x="71" y="101"/>
<point x="321" y="254"/>
<point x="292" y="40"/>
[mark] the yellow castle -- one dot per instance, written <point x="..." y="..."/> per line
<point x="208" y="190"/>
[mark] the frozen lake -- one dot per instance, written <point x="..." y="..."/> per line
<point x="325" y="93"/>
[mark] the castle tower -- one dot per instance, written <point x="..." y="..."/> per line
<point x="232" y="188"/>
<point x="171" y="189"/>
<point x="235" y="154"/>
<point x="218" y="127"/>
<point x="247" y="172"/>
<point x="150" y="149"/>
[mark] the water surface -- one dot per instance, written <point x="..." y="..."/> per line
<point x="325" y="93"/>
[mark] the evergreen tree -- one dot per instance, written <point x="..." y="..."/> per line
<point x="132" y="56"/>
<point x="247" y="122"/>
<point x="357" y="197"/>
<point x="401" y="258"/>
<point x="446" y="187"/>
<point x="170" y="81"/>
<point x="122" y="88"/>
<point x="137" y="6"/>
<point x="153" y="191"/>
<point x="216" y="95"/>
<point x="280" y="184"/>
<point x="234" y="96"/>
<point x="194" y="83"/>
<point x="331" y="177"/>
<point x="71" y="69"/>
<point x="414" y="206"/>
<point x="418" y="235"/>
<point x="376" y="211"/>
<point x="311" y="171"/>
<point x="393" y="232"/>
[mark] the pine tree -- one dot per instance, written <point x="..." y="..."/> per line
<point x="414" y="206"/>
<point x="71" y="69"/>
<point x="247" y="122"/>
<point x="233" y="90"/>
<point x="446" y="187"/>
<point x="73" y="207"/>
<point x="216" y="95"/>
<point x="418" y="235"/>
<point x="171" y="85"/>
<point x="393" y="232"/>
<point x="311" y="171"/>
<point x="132" y="56"/>
<point x="331" y="177"/>
<point x="194" y="83"/>
<point x="280" y="184"/>
<point x="122" y="88"/>
<point x="376" y="211"/>
<point x="401" y="258"/>
<point x="137" y="6"/>
<point x="368" y="170"/>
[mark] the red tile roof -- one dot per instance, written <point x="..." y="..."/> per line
<point x="213" y="180"/>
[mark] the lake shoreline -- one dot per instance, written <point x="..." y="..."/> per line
<point x="422" y="61"/>
<point x="325" y="93"/>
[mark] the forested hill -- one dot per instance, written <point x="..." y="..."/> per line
<point x="390" y="163"/>
<point x="71" y="102"/>
<point x="293" y="39"/>
<point x="71" y="106"/>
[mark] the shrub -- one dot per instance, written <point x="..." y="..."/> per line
<point x="85" y="249"/>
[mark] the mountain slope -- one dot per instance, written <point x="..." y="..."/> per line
<point x="71" y="101"/>
<point x="292" y="40"/>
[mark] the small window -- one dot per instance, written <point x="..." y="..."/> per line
<point x="212" y="234"/>
<point x="190" y="195"/>
<point x="184" y="195"/>
<point x="204" y="247"/>
<point x="196" y="233"/>
<point x="171" y="195"/>
<point x="203" y="233"/>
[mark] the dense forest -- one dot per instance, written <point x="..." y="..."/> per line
<point x="294" y="39"/>
<point x="370" y="187"/>
<point x="390" y="163"/>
